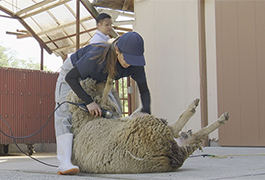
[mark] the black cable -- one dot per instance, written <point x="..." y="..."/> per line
<point x="24" y="137"/>
<point x="14" y="139"/>
<point x="203" y="155"/>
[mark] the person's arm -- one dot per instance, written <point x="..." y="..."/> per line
<point x="140" y="77"/>
<point x="72" y="79"/>
<point x="145" y="97"/>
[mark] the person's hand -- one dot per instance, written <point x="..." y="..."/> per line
<point x="94" y="109"/>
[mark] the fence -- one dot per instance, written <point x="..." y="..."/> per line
<point x="26" y="103"/>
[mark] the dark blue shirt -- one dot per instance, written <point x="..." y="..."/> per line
<point x="87" y="67"/>
<point x="90" y="68"/>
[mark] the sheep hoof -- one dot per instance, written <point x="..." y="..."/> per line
<point x="184" y="135"/>
<point x="224" y="117"/>
<point x="194" y="105"/>
<point x="196" y="102"/>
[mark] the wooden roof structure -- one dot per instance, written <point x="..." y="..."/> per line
<point x="124" y="5"/>
<point x="63" y="26"/>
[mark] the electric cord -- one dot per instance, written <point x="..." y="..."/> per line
<point x="14" y="139"/>
<point x="203" y="155"/>
<point x="82" y="106"/>
<point x="224" y="156"/>
<point x="24" y="137"/>
<point x="105" y="114"/>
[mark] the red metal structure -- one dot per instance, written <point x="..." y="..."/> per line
<point x="26" y="103"/>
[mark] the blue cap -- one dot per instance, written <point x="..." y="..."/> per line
<point x="132" y="46"/>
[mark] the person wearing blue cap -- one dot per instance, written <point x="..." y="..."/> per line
<point x="122" y="58"/>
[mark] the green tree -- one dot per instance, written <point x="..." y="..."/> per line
<point x="3" y="57"/>
<point x="8" y="58"/>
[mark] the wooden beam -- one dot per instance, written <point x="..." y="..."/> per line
<point x="126" y="5"/>
<point x="15" y="33"/>
<point x="41" y="57"/>
<point x="6" y="16"/>
<point x="122" y="28"/>
<point x="22" y="31"/>
<point x="203" y="68"/>
<point x="58" y="50"/>
<point x="45" y="8"/>
<point x="19" y="35"/>
<point x="119" y="23"/>
<point x="71" y="35"/>
<point x="77" y="42"/>
<point x="28" y="28"/>
<point x="94" y="12"/>
<point x="65" y="25"/>
<point x="6" y="11"/>
<point x="34" y="35"/>
<point x="35" y="6"/>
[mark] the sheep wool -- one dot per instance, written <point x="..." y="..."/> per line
<point x="123" y="145"/>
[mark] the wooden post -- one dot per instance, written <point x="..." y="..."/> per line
<point x="77" y="24"/>
<point x="203" y="68"/>
<point x="41" y="57"/>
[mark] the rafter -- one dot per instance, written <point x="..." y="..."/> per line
<point x="45" y="8"/>
<point x="27" y="27"/>
<point x="64" y="26"/>
<point x="122" y="28"/>
<point x="35" y="6"/>
<point x="126" y="5"/>
<point x="58" y="50"/>
<point x="119" y="23"/>
<point x="69" y="36"/>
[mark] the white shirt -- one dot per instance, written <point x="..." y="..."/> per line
<point x="99" y="37"/>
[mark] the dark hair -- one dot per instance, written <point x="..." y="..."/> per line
<point x="102" y="16"/>
<point x="108" y="54"/>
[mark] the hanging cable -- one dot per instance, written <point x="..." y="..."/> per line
<point x="105" y="114"/>
<point x="24" y="137"/>
<point x="14" y="139"/>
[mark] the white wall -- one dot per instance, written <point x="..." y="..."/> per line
<point x="170" y="31"/>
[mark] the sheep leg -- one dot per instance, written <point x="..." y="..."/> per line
<point x="184" y="118"/>
<point x="197" y="137"/>
<point x="106" y="90"/>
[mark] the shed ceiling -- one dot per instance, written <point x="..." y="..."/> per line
<point x="53" y="22"/>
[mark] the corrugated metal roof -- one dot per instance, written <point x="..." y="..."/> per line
<point x="53" y="22"/>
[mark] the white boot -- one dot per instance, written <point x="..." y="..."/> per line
<point x="64" y="153"/>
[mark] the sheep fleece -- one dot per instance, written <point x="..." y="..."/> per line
<point x="124" y="145"/>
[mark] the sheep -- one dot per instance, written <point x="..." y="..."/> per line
<point x="131" y="145"/>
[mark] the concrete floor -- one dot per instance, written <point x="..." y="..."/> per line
<point x="229" y="163"/>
